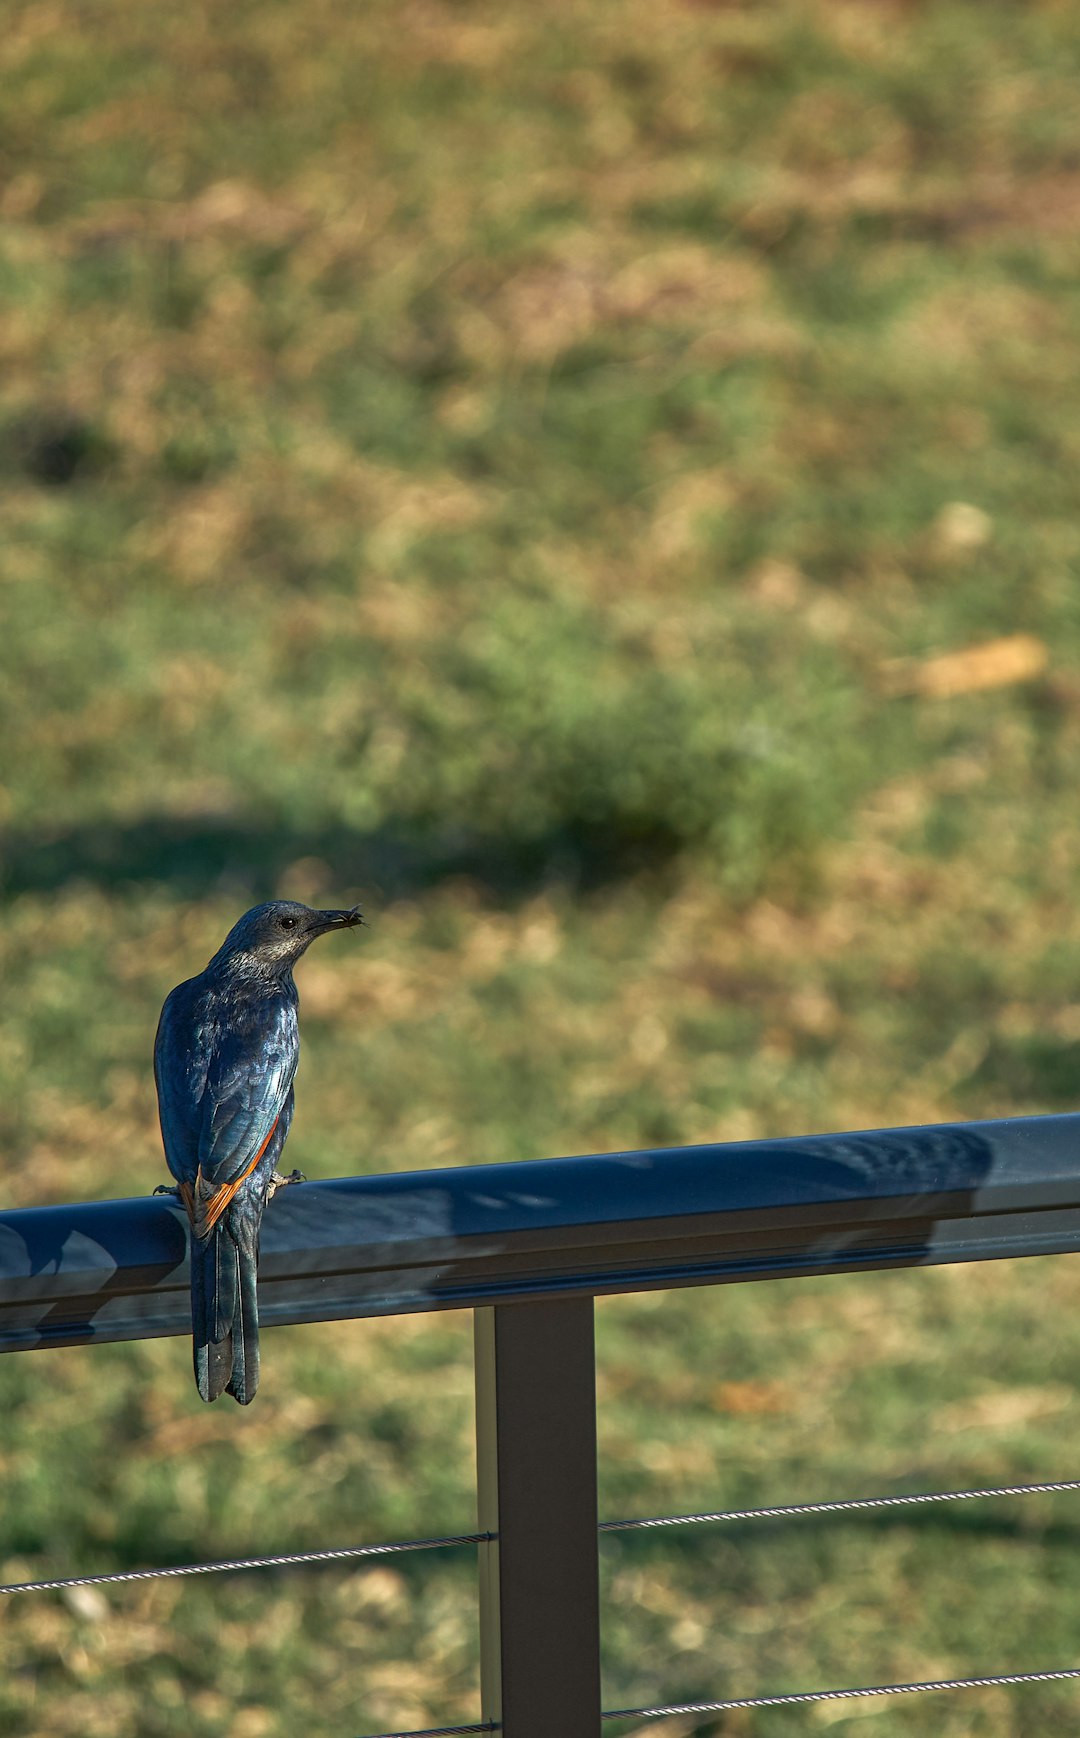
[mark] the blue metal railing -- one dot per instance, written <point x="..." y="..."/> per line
<point x="528" y="1246"/>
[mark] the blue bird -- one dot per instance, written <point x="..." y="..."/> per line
<point x="225" y="1058"/>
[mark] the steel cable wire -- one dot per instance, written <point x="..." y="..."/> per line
<point x="344" y="1553"/>
<point x="788" y="1510"/>
<point x="663" y="1713"/>
<point x="440" y="1731"/>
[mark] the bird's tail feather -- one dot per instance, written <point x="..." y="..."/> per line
<point x="245" y="1347"/>
<point x="224" y="1316"/>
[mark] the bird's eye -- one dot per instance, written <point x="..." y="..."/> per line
<point x="287" y="922"/>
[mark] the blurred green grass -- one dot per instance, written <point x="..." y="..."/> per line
<point x="514" y="468"/>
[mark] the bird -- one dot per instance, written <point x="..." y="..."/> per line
<point x="225" y="1058"/>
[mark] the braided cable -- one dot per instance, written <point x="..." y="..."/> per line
<point x="344" y="1553"/>
<point x="788" y="1510"/>
<point x="835" y="1695"/>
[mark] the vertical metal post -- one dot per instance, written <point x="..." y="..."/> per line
<point x="536" y="1482"/>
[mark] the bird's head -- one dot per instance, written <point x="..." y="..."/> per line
<point x="272" y="937"/>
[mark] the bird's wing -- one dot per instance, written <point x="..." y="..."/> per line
<point x="181" y="1060"/>
<point x="247" y="1084"/>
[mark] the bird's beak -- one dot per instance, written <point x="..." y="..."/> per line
<point x="340" y="919"/>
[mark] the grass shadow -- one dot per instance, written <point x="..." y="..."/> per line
<point x="193" y="855"/>
<point x="1042" y="1070"/>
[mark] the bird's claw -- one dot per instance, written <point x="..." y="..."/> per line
<point x="277" y="1181"/>
<point x="168" y="1189"/>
